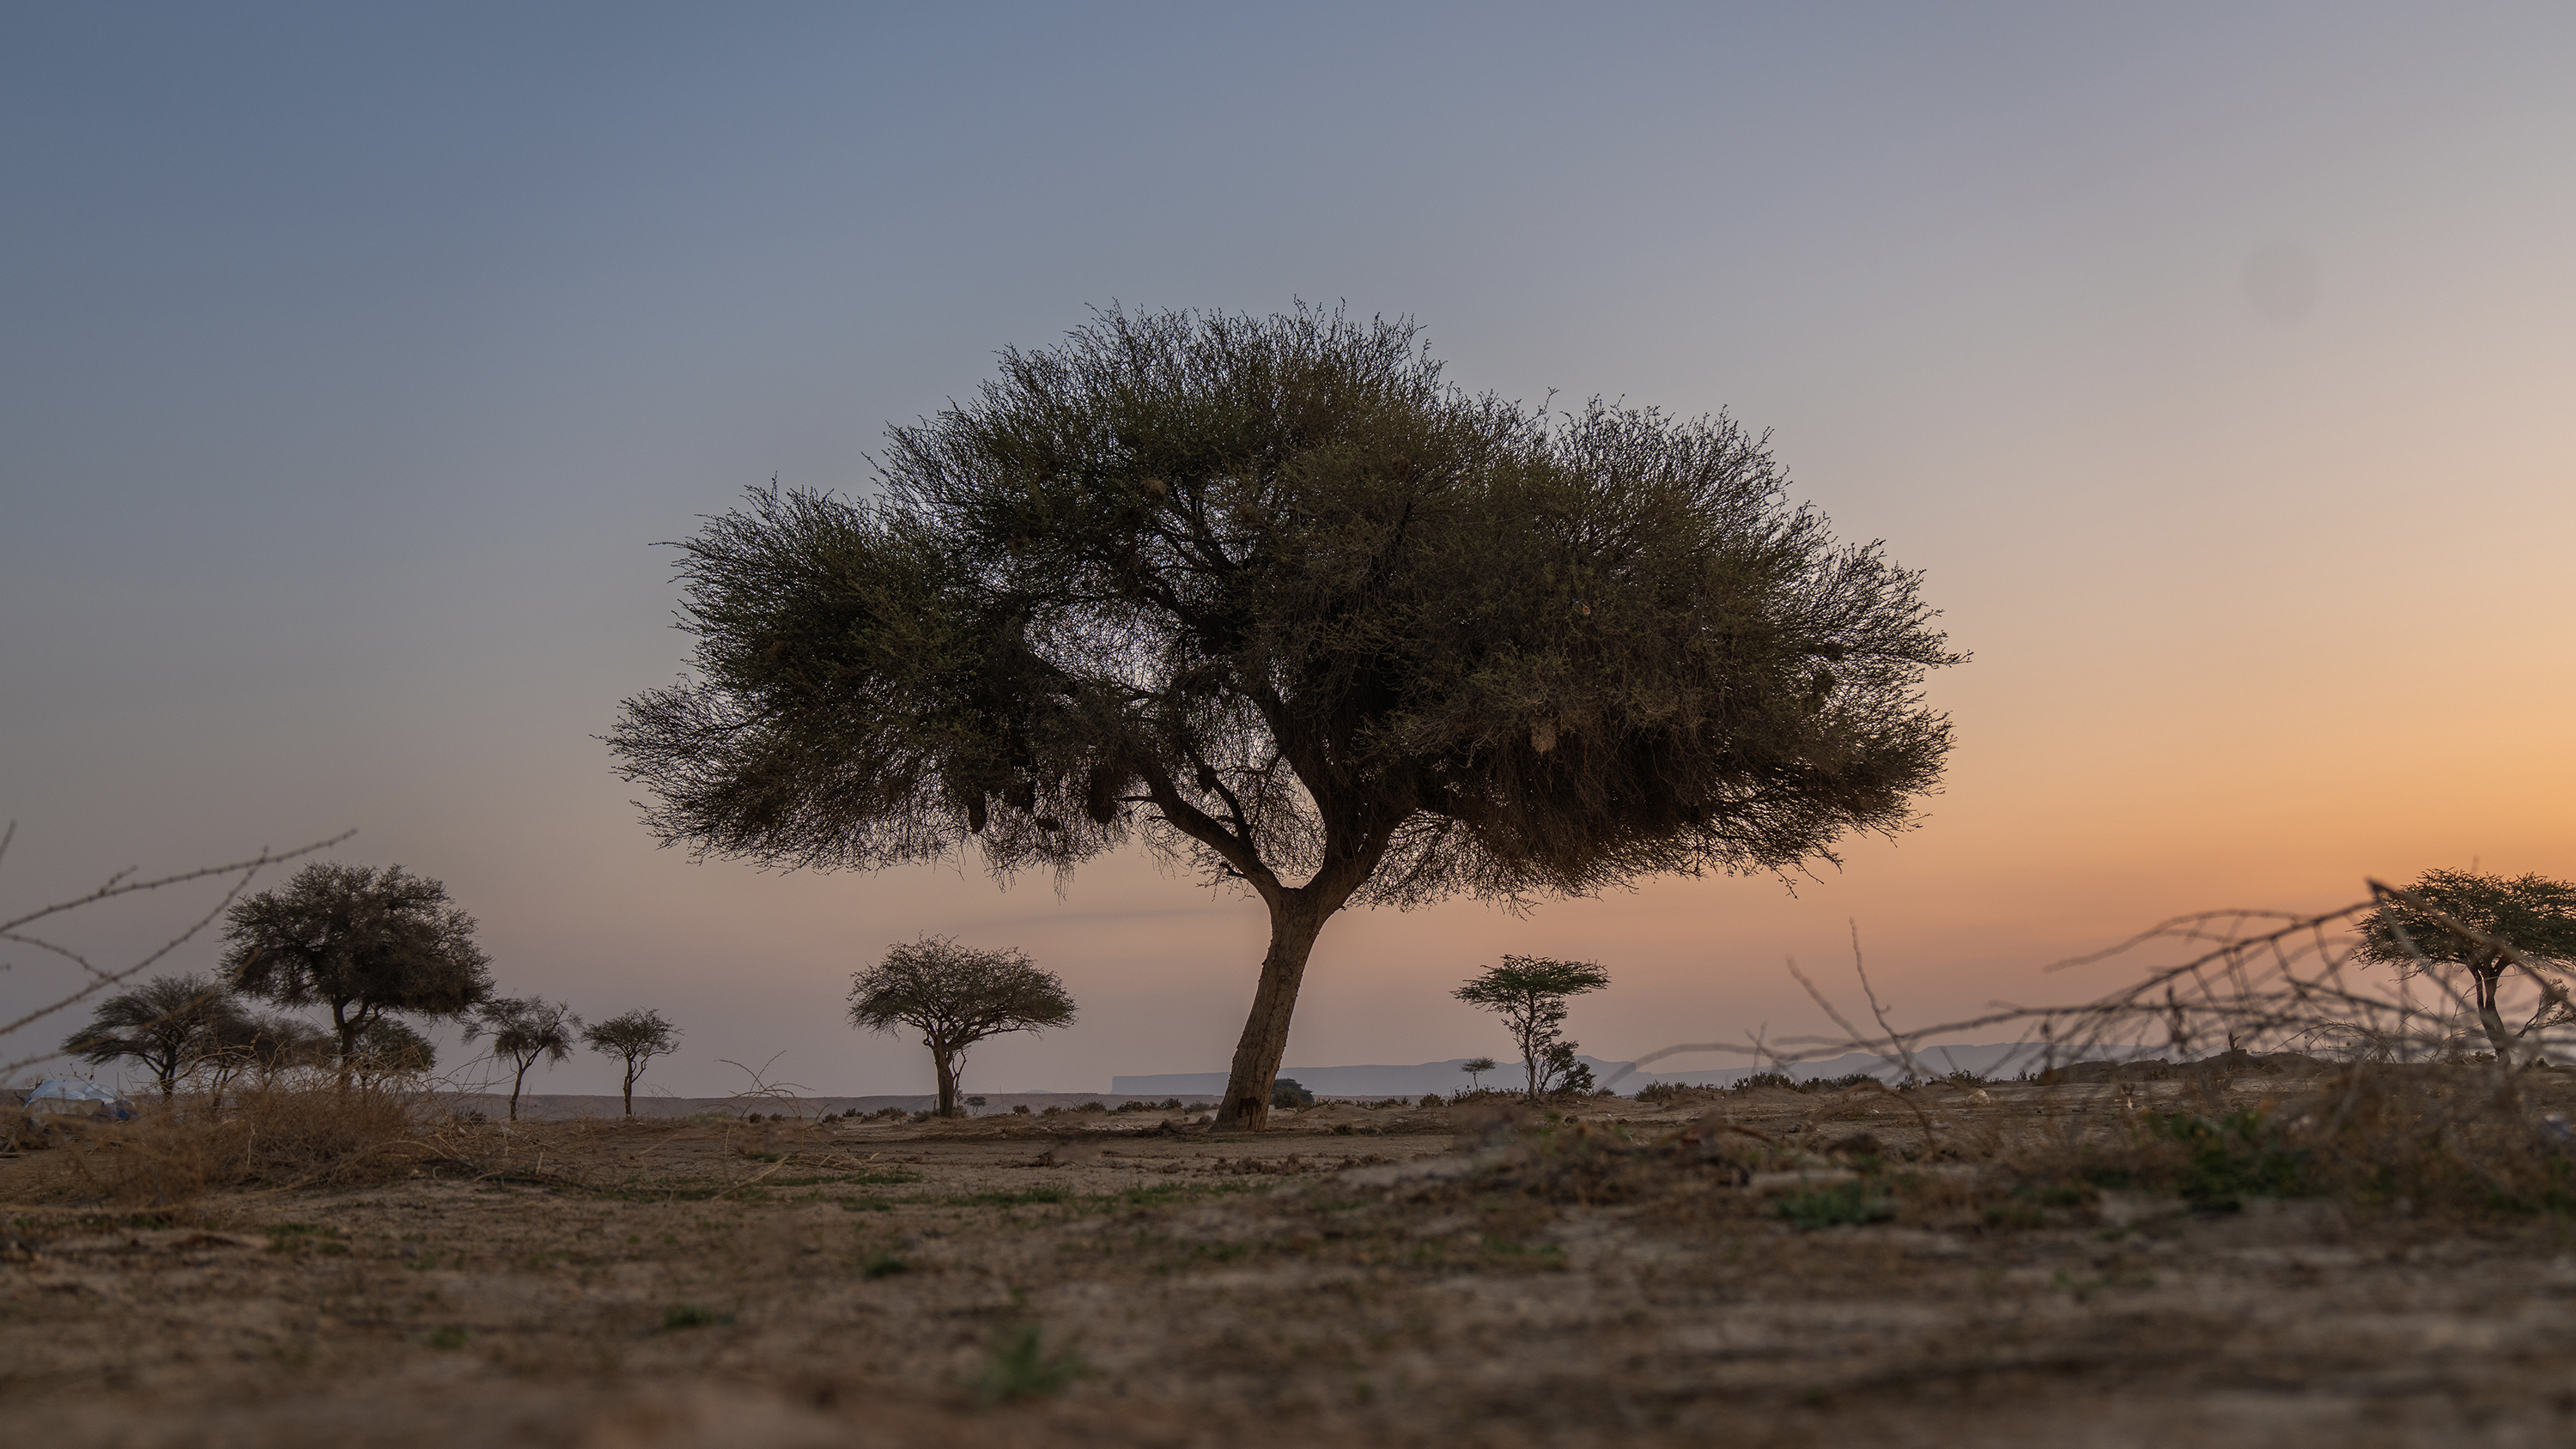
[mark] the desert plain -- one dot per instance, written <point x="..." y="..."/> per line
<point x="1759" y="1267"/>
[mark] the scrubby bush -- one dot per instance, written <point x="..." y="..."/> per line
<point x="1286" y="1093"/>
<point x="1662" y="1094"/>
<point x="279" y="1132"/>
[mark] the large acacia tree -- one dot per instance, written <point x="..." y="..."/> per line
<point x="1271" y="595"/>
<point x="363" y="942"/>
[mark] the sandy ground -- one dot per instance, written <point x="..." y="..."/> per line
<point x="1354" y="1277"/>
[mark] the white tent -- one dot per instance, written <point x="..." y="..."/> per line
<point x="69" y="1098"/>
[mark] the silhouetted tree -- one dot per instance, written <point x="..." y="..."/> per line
<point x="362" y="942"/>
<point x="392" y="1048"/>
<point x="1528" y="993"/>
<point x="1560" y="1074"/>
<point x="169" y="1024"/>
<point x="281" y="1043"/>
<point x="1271" y="593"/>
<point x="956" y="996"/>
<point x="634" y="1038"/>
<point x="265" y="1044"/>
<point x="523" y="1032"/>
<point x="2535" y="914"/>
<point x="1475" y="1068"/>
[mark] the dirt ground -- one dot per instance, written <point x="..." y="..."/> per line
<point x="1396" y="1276"/>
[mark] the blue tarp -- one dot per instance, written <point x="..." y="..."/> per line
<point x="71" y="1097"/>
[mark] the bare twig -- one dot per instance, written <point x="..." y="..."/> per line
<point x="1905" y="1053"/>
<point x="119" y="885"/>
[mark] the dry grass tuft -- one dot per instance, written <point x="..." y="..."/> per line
<point x="2462" y="1140"/>
<point x="295" y="1133"/>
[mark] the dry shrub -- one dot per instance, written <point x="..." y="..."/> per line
<point x="2423" y="1137"/>
<point x="280" y="1134"/>
<point x="2462" y="1140"/>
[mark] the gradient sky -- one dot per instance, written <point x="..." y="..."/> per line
<point x="2217" y="363"/>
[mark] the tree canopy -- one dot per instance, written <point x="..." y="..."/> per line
<point x="2535" y="914"/>
<point x="1528" y="993"/>
<point x="169" y="1024"/>
<point x="1273" y="596"/>
<point x="361" y="941"/>
<point x="956" y="996"/>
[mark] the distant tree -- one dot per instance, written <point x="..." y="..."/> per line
<point x="392" y="1048"/>
<point x="364" y="943"/>
<point x="522" y="1032"/>
<point x="1528" y="993"/>
<point x="1285" y="1092"/>
<point x="2535" y="914"/>
<point x="635" y="1039"/>
<point x="169" y="1024"/>
<point x="1559" y="1074"/>
<point x="281" y="1043"/>
<point x="1312" y="621"/>
<point x="266" y="1045"/>
<point x="956" y="996"/>
<point x="1475" y="1068"/>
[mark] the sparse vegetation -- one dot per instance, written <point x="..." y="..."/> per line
<point x="680" y="1316"/>
<point x="291" y="1131"/>
<point x="1019" y="1365"/>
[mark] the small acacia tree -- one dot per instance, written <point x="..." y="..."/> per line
<point x="2536" y="914"/>
<point x="1271" y="594"/>
<point x="170" y="1024"/>
<point x="365" y="943"/>
<point x="523" y="1032"/>
<point x="635" y="1039"/>
<point x="263" y="1045"/>
<point x="956" y="996"/>
<point x="1475" y="1068"/>
<point x="1528" y="993"/>
<point x="392" y="1048"/>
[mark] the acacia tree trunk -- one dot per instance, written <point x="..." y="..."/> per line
<point x="943" y="1059"/>
<point x="1296" y="918"/>
<point x="348" y="1040"/>
<point x="514" y="1087"/>
<point x="630" y="1086"/>
<point x="2498" y="1034"/>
